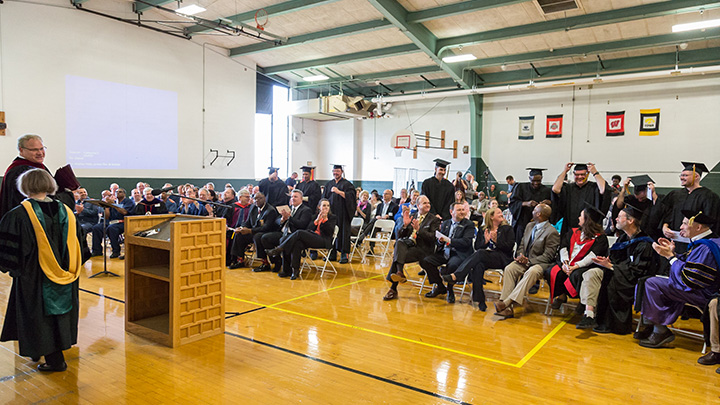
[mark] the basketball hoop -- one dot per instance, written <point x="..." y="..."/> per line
<point x="402" y="140"/>
<point x="261" y="19"/>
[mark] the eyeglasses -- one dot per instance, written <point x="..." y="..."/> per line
<point x="44" y="148"/>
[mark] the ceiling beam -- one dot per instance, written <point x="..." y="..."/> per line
<point x="698" y="57"/>
<point x="603" y="47"/>
<point x="421" y="37"/>
<point x="381" y="75"/>
<point x="583" y="21"/>
<point x="275" y="9"/>
<point x="340" y="59"/>
<point x="458" y="8"/>
<point x="351" y="29"/>
<point x="139" y="7"/>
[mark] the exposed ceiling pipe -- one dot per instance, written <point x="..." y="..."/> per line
<point x="661" y="74"/>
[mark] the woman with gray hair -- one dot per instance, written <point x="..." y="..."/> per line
<point x="40" y="248"/>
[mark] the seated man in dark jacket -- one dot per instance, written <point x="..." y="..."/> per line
<point x="415" y="240"/>
<point x="297" y="217"/>
<point x="453" y="247"/>
<point x="260" y="221"/>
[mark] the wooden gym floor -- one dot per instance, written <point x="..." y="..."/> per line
<point x="333" y="340"/>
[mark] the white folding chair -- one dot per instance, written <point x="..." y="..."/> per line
<point x="381" y="235"/>
<point x="323" y="255"/>
<point x="356" y="222"/>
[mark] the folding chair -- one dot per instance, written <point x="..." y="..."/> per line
<point x="323" y="255"/>
<point x="462" y="291"/>
<point x="356" y="221"/>
<point x="382" y="231"/>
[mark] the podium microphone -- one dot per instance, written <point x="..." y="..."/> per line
<point x="157" y="191"/>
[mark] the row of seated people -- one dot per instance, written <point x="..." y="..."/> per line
<point x="582" y="265"/>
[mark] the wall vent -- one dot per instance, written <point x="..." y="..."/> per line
<point x="555" y="6"/>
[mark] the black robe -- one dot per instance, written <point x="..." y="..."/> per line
<point x="630" y="264"/>
<point x="10" y="196"/>
<point x="441" y="194"/>
<point x="523" y="215"/>
<point x="571" y="201"/>
<point x="647" y="224"/>
<point x="343" y="208"/>
<point x="701" y="199"/>
<point x="312" y="191"/>
<point x="276" y="192"/>
<point x="37" y="333"/>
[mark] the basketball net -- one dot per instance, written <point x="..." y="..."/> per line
<point x="398" y="151"/>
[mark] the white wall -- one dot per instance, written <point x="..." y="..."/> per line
<point x="364" y="145"/>
<point x="41" y="44"/>
<point x="689" y="123"/>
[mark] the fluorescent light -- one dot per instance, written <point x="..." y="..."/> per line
<point x="459" y="58"/>
<point x="699" y="25"/>
<point x="316" y="78"/>
<point x="190" y="9"/>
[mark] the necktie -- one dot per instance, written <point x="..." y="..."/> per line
<point x="286" y="228"/>
<point x="447" y="246"/>
<point x="420" y="219"/>
<point x="532" y="239"/>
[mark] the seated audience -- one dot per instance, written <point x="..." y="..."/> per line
<point x="298" y="217"/>
<point x="115" y="224"/>
<point x="191" y="207"/>
<point x="235" y="217"/>
<point x="150" y="205"/>
<point x="693" y="280"/>
<point x="453" y="247"/>
<point x="318" y="235"/>
<point x="493" y="250"/>
<point x="415" y="241"/>
<point x="535" y="253"/>
<point x="576" y="274"/>
<point x="87" y="214"/>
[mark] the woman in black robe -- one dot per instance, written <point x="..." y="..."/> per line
<point x="40" y="248"/>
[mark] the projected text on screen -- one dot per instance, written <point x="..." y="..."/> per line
<point x="119" y="126"/>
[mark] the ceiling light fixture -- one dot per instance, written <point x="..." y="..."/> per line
<point x="190" y="9"/>
<point x="315" y="78"/>
<point x="699" y="25"/>
<point x="459" y="58"/>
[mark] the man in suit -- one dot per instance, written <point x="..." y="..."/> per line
<point x="453" y="247"/>
<point x="289" y="221"/>
<point x="536" y="253"/>
<point x="260" y="221"/>
<point x="415" y="240"/>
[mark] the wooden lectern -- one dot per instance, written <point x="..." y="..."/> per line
<point x="175" y="281"/>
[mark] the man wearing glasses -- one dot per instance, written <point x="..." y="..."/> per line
<point x="32" y="155"/>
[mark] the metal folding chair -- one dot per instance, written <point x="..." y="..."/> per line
<point x="323" y="255"/>
<point x="381" y="235"/>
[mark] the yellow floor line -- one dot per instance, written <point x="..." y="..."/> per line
<point x="328" y="289"/>
<point x="396" y="337"/>
<point x="519" y="364"/>
<point x="542" y="342"/>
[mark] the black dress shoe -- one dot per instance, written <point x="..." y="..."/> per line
<point x="236" y="265"/>
<point x="93" y="254"/>
<point x="586" y="323"/>
<point x="274" y="252"/>
<point x="421" y="273"/>
<point x="35" y="359"/>
<point x="558" y="301"/>
<point x="283" y="274"/>
<point x="534" y="289"/>
<point x="263" y="267"/>
<point x="343" y="258"/>
<point x="643" y="333"/>
<point x="450" y="295"/>
<point x="51" y="368"/>
<point x="436" y="290"/>
<point x="115" y="255"/>
<point x="710" y="359"/>
<point x="313" y="255"/>
<point x="602" y="329"/>
<point x="294" y="276"/>
<point x="658" y="340"/>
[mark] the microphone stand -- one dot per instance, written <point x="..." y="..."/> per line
<point x="104" y="205"/>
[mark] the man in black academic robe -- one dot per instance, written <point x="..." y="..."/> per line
<point x="439" y="191"/>
<point x="643" y="198"/>
<point x="523" y="200"/>
<point x="310" y="188"/>
<point x="274" y="189"/>
<point x="568" y="199"/>
<point x="631" y="258"/>
<point x="341" y="194"/>
<point x="692" y="197"/>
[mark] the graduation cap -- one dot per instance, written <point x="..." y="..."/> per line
<point x="580" y="166"/>
<point x="535" y="171"/>
<point x="336" y="166"/>
<point x="272" y="169"/>
<point x="640" y="181"/>
<point x="595" y="214"/>
<point x="699" y="217"/>
<point x="696" y="167"/>
<point x="634" y="212"/>
<point x="307" y="169"/>
<point x="441" y="163"/>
